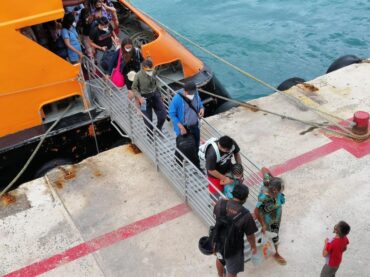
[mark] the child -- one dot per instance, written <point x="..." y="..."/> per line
<point x="236" y="176"/>
<point x="334" y="248"/>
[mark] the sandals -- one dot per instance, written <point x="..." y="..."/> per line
<point x="280" y="260"/>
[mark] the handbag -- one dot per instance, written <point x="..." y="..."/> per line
<point x="117" y="77"/>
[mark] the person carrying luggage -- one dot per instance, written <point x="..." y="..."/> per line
<point x="185" y="110"/>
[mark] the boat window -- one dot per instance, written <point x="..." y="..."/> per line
<point x="52" y="111"/>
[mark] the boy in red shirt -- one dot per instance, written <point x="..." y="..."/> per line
<point x="334" y="248"/>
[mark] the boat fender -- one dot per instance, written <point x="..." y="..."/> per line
<point x="291" y="82"/>
<point x="343" y="62"/>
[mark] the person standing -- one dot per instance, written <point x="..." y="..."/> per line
<point x="102" y="37"/>
<point x="334" y="248"/>
<point x="243" y="222"/>
<point x="218" y="163"/>
<point x="145" y="89"/>
<point x="70" y="37"/>
<point x="269" y="210"/>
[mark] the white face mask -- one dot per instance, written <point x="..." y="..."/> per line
<point x="149" y="72"/>
<point x="74" y="24"/>
<point x="128" y="50"/>
<point x="106" y="29"/>
<point x="190" y="96"/>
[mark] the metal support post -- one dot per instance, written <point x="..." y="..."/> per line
<point x="185" y="180"/>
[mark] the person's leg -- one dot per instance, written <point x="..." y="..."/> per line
<point x="196" y="133"/>
<point x="149" y="114"/>
<point x="159" y="109"/>
<point x="220" y="268"/>
<point x="275" y="228"/>
<point x="328" y="271"/>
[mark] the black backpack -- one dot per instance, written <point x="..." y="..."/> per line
<point x="225" y="235"/>
<point x="107" y="59"/>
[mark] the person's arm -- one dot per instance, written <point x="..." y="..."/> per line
<point x="67" y="42"/>
<point x="201" y="107"/>
<point x="173" y="113"/>
<point x="224" y="179"/>
<point x="135" y="88"/>
<point x="238" y="158"/>
<point x="325" y="251"/>
<point x="252" y="241"/>
<point x="109" y="8"/>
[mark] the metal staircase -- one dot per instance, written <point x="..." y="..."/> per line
<point x="190" y="183"/>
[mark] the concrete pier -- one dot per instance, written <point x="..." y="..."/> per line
<point x="115" y="215"/>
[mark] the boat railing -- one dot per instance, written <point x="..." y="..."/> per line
<point x="160" y="147"/>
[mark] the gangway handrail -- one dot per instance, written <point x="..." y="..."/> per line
<point x="158" y="146"/>
<point x="252" y="171"/>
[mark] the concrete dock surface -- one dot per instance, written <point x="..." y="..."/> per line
<point x="115" y="215"/>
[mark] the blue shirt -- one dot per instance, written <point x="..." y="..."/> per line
<point x="72" y="35"/>
<point x="177" y="110"/>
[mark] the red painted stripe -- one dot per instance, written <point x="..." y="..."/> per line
<point x="305" y="158"/>
<point x="98" y="243"/>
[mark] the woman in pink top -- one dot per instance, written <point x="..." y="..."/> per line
<point x="334" y="248"/>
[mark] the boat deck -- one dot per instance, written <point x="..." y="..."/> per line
<point x="115" y="215"/>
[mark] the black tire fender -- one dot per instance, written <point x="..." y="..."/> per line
<point x="343" y="62"/>
<point x="291" y="82"/>
<point x="49" y="165"/>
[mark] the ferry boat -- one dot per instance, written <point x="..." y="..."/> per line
<point x="37" y="85"/>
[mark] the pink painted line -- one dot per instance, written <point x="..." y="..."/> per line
<point x="98" y="243"/>
<point x="305" y="158"/>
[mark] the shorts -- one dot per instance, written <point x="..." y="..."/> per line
<point x="234" y="264"/>
<point x="328" y="271"/>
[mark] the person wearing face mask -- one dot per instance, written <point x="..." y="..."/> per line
<point x="70" y="37"/>
<point x="131" y="60"/>
<point x="145" y="89"/>
<point x="233" y="258"/>
<point x="102" y="37"/>
<point x="218" y="163"/>
<point x="185" y="110"/>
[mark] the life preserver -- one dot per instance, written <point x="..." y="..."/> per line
<point x="342" y="62"/>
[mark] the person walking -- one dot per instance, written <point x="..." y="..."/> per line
<point x="334" y="248"/>
<point x="218" y="162"/>
<point x="145" y="89"/>
<point x="240" y="222"/>
<point x="185" y="110"/>
<point x="269" y="210"/>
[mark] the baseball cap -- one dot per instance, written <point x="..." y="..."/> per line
<point x="190" y="87"/>
<point x="103" y="20"/>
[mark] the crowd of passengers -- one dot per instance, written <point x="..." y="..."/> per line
<point x="91" y="28"/>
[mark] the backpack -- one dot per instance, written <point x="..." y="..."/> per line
<point x="107" y="59"/>
<point x="224" y="235"/>
<point x="203" y="149"/>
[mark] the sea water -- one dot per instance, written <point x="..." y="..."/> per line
<point x="272" y="39"/>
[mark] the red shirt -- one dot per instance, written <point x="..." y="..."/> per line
<point x="335" y="249"/>
<point x="216" y="183"/>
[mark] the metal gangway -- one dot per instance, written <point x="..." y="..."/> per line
<point x="160" y="146"/>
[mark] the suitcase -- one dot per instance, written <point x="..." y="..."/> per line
<point x="186" y="144"/>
